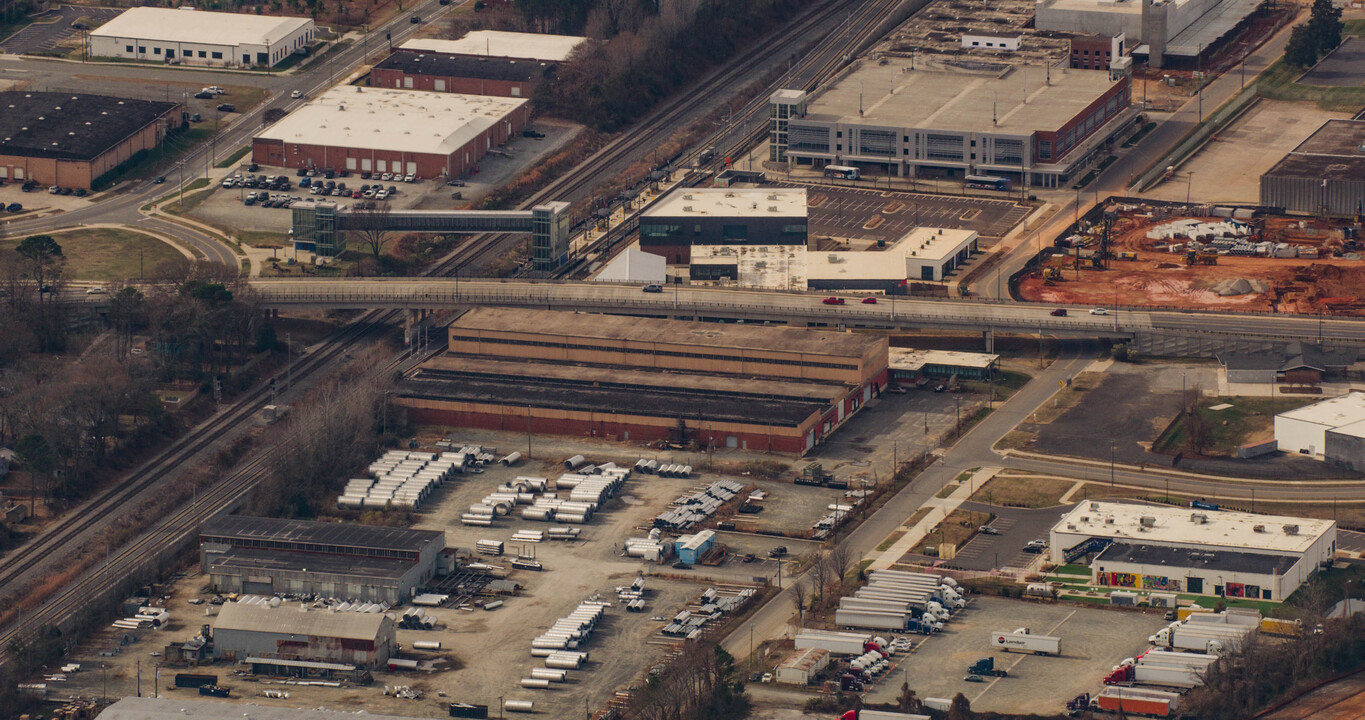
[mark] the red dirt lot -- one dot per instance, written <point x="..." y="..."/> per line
<point x="1160" y="278"/>
<point x="1341" y="700"/>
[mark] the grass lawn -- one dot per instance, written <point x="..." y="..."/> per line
<point x="1277" y="83"/>
<point x="233" y="158"/>
<point x="1072" y="570"/>
<point x="1023" y="492"/>
<point x="1016" y="440"/>
<point x="1330" y="586"/>
<point x="946" y="491"/>
<point x="1005" y="384"/>
<point x="890" y="540"/>
<point x="108" y="253"/>
<point x="1249" y="419"/>
<point x="957" y="528"/>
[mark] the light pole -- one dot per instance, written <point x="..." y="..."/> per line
<point x="1189" y="180"/>
<point x="1111" y="466"/>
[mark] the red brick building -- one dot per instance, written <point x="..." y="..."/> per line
<point x="431" y="135"/>
<point x="501" y="77"/>
<point x="69" y="140"/>
<point x="775" y="389"/>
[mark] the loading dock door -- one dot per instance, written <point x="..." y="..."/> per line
<point x="412" y="168"/>
<point x="258" y="586"/>
<point x="1194" y="585"/>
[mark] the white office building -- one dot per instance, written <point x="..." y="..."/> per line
<point x="199" y="37"/>
<point x="502" y="44"/>
<point x="1195" y="551"/>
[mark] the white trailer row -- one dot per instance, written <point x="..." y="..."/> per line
<point x="404" y="480"/>
<point x="833" y="642"/>
<point x="901" y="601"/>
<point x="1204" y="637"/>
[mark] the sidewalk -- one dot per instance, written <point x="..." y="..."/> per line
<point x="942" y="508"/>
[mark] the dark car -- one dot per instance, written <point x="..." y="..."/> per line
<point x="1058" y="312"/>
<point x="15" y="207"/>
<point x="227" y="107"/>
<point x="80" y="192"/>
<point x="365" y="175"/>
<point x="680" y="565"/>
<point x="158" y="179"/>
<point x="201" y="95"/>
<point x="67" y="191"/>
<point x="415" y="19"/>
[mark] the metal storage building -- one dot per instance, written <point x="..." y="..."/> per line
<point x="295" y="632"/>
<point x="502" y="44"/>
<point x="180" y="708"/>
<point x="1324" y="175"/>
<point x="355" y="562"/>
<point x="801" y="667"/>
<point x="199" y="37"/>
<point x="691" y="548"/>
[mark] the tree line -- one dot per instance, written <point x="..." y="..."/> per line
<point x="1320" y="35"/>
<point x="647" y="51"/>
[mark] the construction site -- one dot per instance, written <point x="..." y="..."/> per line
<point x="1143" y="255"/>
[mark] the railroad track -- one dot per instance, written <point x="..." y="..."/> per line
<point x="142" y="553"/>
<point x="657" y="127"/>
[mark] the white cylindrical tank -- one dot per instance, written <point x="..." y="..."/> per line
<point x="519" y="706"/>
<point x="426" y="644"/>
<point x="535" y="683"/>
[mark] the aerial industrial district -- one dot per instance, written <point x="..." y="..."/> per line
<point x="638" y="360"/>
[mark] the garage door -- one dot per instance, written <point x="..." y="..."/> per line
<point x="412" y="168"/>
<point x="258" y="586"/>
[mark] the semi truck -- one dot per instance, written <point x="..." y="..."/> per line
<point x="1161" y="675"/>
<point x="1022" y="640"/>
<point x="1204" y="638"/>
<point x="880" y="715"/>
<point x="1158" y="656"/>
<point x="986" y="666"/>
<point x="837" y="643"/>
<point x="1136" y="701"/>
<point x="872" y="620"/>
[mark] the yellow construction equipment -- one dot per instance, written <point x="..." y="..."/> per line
<point x="1202" y="257"/>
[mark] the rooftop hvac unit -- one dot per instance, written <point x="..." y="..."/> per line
<point x="772" y="208"/>
<point x="1085" y="518"/>
<point x="1291" y="529"/>
<point x="729" y="194"/>
<point x="773" y="196"/>
<point x="1258" y="528"/>
<point x="1147" y="521"/>
<point x="1094" y="507"/>
<point x="834" y="257"/>
<point x="687" y="196"/>
<point x="687" y="208"/>
<point x="1199" y="518"/>
<point x="1071" y="526"/>
<point x="1109" y="520"/>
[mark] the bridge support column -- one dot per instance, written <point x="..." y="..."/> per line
<point x="989" y="337"/>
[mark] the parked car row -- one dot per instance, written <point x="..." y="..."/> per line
<point x="209" y="93"/>
<point x="869" y="300"/>
<point x="270" y="200"/>
<point x="269" y="182"/>
<point x="58" y="190"/>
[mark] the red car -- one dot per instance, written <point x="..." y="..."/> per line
<point x="869" y="301"/>
<point x="833" y="301"/>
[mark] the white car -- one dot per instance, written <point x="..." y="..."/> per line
<point x="411" y="177"/>
<point x="1099" y="311"/>
<point x="215" y="90"/>
<point x="95" y="291"/>
<point x="296" y="94"/>
<point x="381" y="195"/>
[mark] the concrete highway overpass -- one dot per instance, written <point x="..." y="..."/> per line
<point x="1153" y="331"/>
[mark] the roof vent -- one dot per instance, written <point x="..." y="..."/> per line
<point x="1258" y="528"/>
<point x="687" y="196"/>
<point x="687" y="208"/>
<point x="1291" y="529"/>
<point x="1147" y="521"/>
<point x="772" y="208"/>
<point x="1094" y="506"/>
<point x="1198" y="518"/>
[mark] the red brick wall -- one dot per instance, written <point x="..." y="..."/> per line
<point x="1120" y="89"/>
<point x="276" y="153"/>
<point x="393" y="78"/>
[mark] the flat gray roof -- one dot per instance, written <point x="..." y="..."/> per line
<point x="1230" y="561"/>
<point x="176" y="708"/>
<point x="1019" y="98"/>
<point x="679" y="332"/>
<point x="291" y="620"/>
<point x="321" y="533"/>
<point x="266" y="560"/>
<point x="1335" y="152"/>
<point x="1218" y="21"/>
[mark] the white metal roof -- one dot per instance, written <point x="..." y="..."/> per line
<point x="899" y="261"/>
<point x="147" y="708"/>
<point x="913" y="360"/>
<point x="199" y="26"/>
<point x="635" y="265"/>
<point x="394" y="120"/>
<point x="731" y="202"/>
<point x="497" y="43"/>
<point x="1355" y="429"/>
<point x="1174" y="525"/>
<point x="1336" y="412"/>
<point x="291" y="620"/>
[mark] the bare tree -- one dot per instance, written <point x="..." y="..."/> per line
<point x="841" y="560"/>
<point x="1198" y="432"/>
<point x="799" y="601"/>
<point x="820" y="571"/>
<point x="372" y="225"/>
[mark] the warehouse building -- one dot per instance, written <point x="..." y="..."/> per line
<point x="1200" y="552"/>
<point x="1332" y="430"/>
<point x="430" y="135"/>
<point x="775" y="389"/>
<point x="908" y="365"/>
<point x="1324" y="175"/>
<point x="722" y="216"/>
<point x="1029" y="124"/>
<point x="416" y="70"/>
<point x="180" y="708"/>
<point x="802" y="667"/>
<point x="199" y="37"/>
<point x="923" y="254"/>
<point x="297" y="632"/>
<point x="57" y="138"/>
<point x="538" y="47"/>
<point x="266" y="556"/>
<point x="1163" y="31"/>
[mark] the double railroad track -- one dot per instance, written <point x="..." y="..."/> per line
<point x="143" y="553"/>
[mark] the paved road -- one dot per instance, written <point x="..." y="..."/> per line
<point x="771" y="620"/>
<point x="122" y="208"/>
<point x="1115" y="179"/>
<point x="437" y="293"/>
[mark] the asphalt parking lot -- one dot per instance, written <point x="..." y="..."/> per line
<point x="1093" y="640"/>
<point x="1350" y="541"/>
<point x="894" y="427"/>
<point x="842" y="212"/>
<point x="1344" y="67"/>
<point x="1017" y="527"/>
<point x="47" y="33"/>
